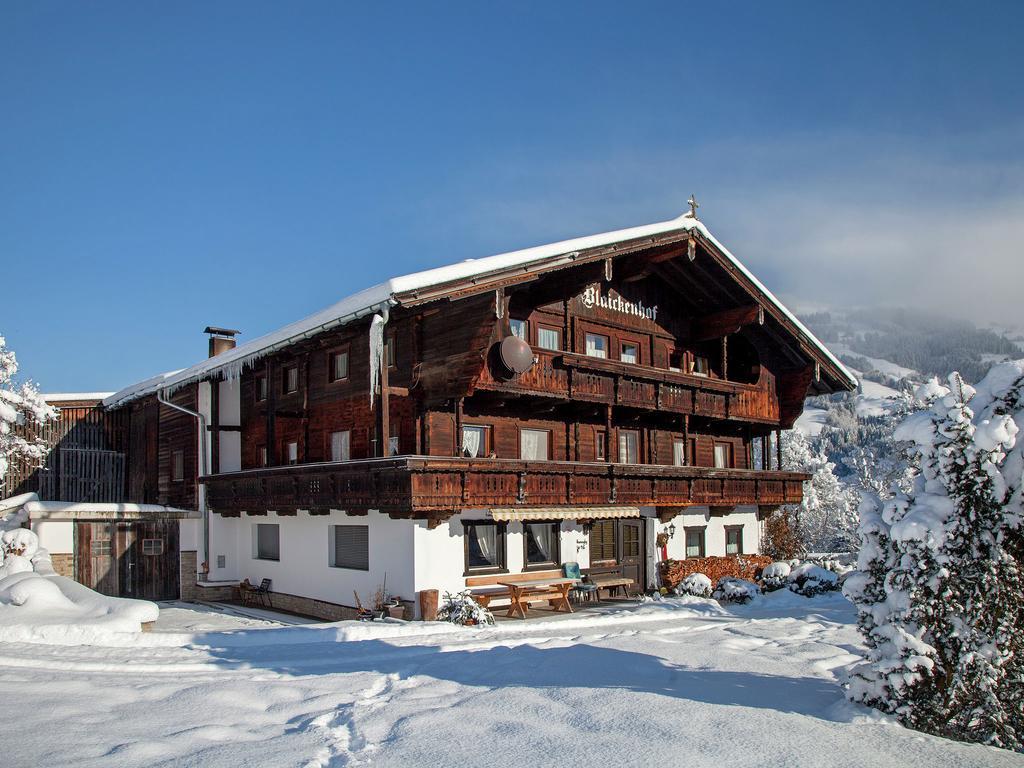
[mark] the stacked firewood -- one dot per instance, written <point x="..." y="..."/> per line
<point x="740" y="566"/>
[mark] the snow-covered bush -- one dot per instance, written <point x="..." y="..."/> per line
<point x="696" y="584"/>
<point x="462" y="609"/>
<point x="775" y="576"/>
<point x="19" y="541"/>
<point x="810" y="580"/>
<point x="22" y="413"/>
<point x="939" y="588"/>
<point x="732" y="590"/>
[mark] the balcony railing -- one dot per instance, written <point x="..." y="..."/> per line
<point x="421" y="486"/>
<point x="579" y="377"/>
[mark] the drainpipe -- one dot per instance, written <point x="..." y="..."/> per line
<point x="200" y="490"/>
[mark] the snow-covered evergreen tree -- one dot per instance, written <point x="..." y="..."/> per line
<point x="939" y="589"/>
<point x="828" y="513"/>
<point x="22" y="412"/>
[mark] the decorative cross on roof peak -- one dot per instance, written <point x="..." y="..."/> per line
<point x="694" y="205"/>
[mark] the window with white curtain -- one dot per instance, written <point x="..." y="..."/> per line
<point x="549" y="338"/>
<point x="540" y="542"/>
<point x="341" y="445"/>
<point x="474" y="441"/>
<point x="723" y="455"/>
<point x="393" y="445"/>
<point x="694" y="542"/>
<point x="518" y="328"/>
<point x="535" y="444"/>
<point x="629" y="446"/>
<point x="485" y="546"/>
<point x="679" y="453"/>
<point x="292" y="452"/>
<point x="596" y="345"/>
<point x="630" y="353"/>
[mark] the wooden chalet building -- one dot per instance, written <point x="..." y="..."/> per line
<point x="563" y="403"/>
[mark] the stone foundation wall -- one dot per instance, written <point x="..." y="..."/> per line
<point x="64" y="564"/>
<point x="187" y="575"/>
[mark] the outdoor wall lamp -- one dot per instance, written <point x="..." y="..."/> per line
<point x="671" y="530"/>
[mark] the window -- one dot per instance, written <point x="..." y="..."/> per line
<point x="535" y="444"/>
<point x="341" y="445"/>
<point x="602" y="541"/>
<point x="393" y="445"/>
<point x="675" y="361"/>
<point x="390" y="350"/>
<point x="540" y="545"/>
<point x="291" y="451"/>
<point x="474" y="441"/>
<point x="629" y="446"/>
<point x="290" y="379"/>
<point x="519" y="329"/>
<point x="629" y="353"/>
<point x="699" y="366"/>
<point x="723" y="455"/>
<point x="261" y="455"/>
<point x="152" y="546"/>
<point x="178" y="465"/>
<point x="338" y="366"/>
<point x="694" y="542"/>
<point x="549" y="338"/>
<point x="268" y="541"/>
<point x="261" y="387"/>
<point x="734" y="540"/>
<point x="350" y="547"/>
<point x="596" y="345"/>
<point x="679" y="452"/>
<point x="485" y="547"/>
<point x="599" y="443"/>
<point x="100" y="547"/>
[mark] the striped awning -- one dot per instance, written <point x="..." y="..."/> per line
<point x="508" y="514"/>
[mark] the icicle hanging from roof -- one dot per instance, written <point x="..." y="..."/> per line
<point x="376" y="350"/>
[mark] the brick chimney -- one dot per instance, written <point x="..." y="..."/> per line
<point x="221" y="339"/>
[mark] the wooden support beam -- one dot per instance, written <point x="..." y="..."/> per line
<point x="214" y="427"/>
<point x="723" y="323"/>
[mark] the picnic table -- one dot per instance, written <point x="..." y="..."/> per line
<point x="555" y="591"/>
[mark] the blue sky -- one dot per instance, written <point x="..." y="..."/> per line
<point x="168" y="166"/>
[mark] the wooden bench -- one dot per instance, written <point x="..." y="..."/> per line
<point x="609" y="577"/>
<point x="485" y="589"/>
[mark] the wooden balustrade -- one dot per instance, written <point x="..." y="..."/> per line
<point x="579" y="377"/>
<point x="417" y="486"/>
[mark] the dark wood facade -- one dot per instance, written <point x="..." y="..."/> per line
<point x="696" y="368"/>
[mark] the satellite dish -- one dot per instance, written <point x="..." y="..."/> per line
<point x="515" y="354"/>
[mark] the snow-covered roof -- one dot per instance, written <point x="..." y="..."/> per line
<point x="80" y="510"/>
<point x="64" y="397"/>
<point x="378" y="297"/>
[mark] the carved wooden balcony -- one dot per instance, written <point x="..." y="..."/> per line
<point x="432" y="487"/>
<point x="590" y="379"/>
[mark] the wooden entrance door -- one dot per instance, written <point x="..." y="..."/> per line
<point x="128" y="559"/>
<point x="620" y="542"/>
<point x="631" y="550"/>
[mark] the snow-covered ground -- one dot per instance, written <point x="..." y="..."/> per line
<point x="679" y="682"/>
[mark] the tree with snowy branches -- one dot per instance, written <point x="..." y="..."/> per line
<point x="22" y="413"/>
<point x="828" y="513"/>
<point x="939" y="587"/>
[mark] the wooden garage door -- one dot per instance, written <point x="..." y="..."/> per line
<point x="129" y="559"/>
